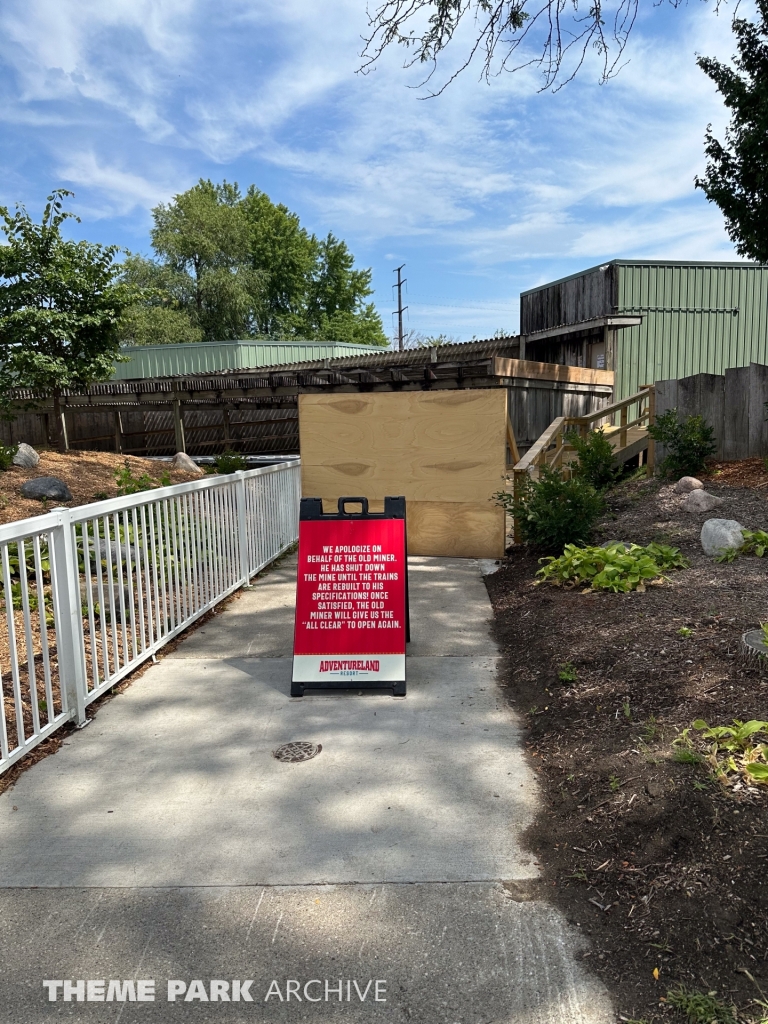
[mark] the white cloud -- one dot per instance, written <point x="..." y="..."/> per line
<point x="124" y="190"/>
<point x="133" y="100"/>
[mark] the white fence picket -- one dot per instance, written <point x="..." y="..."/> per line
<point x="91" y="592"/>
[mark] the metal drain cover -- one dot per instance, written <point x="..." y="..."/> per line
<point x="298" y="750"/>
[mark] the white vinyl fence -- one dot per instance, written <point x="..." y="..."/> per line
<point x="89" y="593"/>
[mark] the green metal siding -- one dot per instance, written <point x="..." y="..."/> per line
<point x="210" y="356"/>
<point x="697" y="318"/>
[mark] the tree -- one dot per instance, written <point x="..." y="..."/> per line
<point x="507" y="35"/>
<point x="157" y="325"/>
<point x="162" y="317"/>
<point x="284" y="255"/>
<point x="203" y="237"/>
<point x="241" y="266"/>
<point x="736" y="178"/>
<point x="60" y="305"/>
<point x="336" y="307"/>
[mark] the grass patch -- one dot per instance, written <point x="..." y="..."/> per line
<point x="700" y="1007"/>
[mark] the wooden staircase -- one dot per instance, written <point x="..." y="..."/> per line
<point x="628" y="437"/>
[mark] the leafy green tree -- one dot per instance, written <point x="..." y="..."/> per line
<point x="283" y="255"/>
<point x="242" y="266"/>
<point x="157" y="325"/>
<point x="60" y="305"/>
<point x="336" y="306"/>
<point x="202" y="238"/>
<point x="163" y="317"/>
<point x="736" y="178"/>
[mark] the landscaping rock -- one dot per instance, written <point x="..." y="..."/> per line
<point x="26" y="456"/>
<point x="700" y="501"/>
<point x="686" y="484"/>
<point x="183" y="462"/>
<point x="46" y="487"/>
<point x="118" y="551"/>
<point x="719" y="535"/>
<point x="110" y="593"/>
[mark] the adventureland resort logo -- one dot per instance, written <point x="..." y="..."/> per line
<point x="350" y="667"/>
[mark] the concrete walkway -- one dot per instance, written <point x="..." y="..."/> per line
<point x="165" y="842"/>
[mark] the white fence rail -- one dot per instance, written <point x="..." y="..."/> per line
<point x="89" y="593"/>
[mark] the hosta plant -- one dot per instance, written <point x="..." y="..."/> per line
<point x="733" y="751"/>
<point x="755" y="543"/>
<point x="615" y="567"/>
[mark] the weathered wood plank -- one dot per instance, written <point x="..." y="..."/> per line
<point x="758" y="396"/>
<point x="703" y="395"/>
<point x="736" y="414"/>
<point x="551" y="371"/>
<point x="666" y="399"/>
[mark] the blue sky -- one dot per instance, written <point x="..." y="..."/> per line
<point x="483" y="192"/>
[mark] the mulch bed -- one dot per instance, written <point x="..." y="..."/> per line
<point x="661" y="866"/>
<point x="89" y="475"/>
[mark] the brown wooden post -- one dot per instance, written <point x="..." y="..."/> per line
<point x="178" y="426"/>
<point x="512" y="444"/>
<point x="650" y="463"/>
<point x="118" y="431"/>
<point x="623" y="422"/>
<point x="227" y="427"/>
<point x="64" y="435"/>
<point x="517" y="535"/>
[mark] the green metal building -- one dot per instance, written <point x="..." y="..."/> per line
<point x="213" y="356"/>
<point x="650" y="320"/>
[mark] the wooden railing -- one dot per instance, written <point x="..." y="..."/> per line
<point x="553" y="450"/>
<point x="645" y="415"/>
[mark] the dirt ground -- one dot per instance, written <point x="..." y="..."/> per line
<point x="663" y="868"/>
<point x="90" y="476"/>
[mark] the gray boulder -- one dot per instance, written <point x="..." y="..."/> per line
<point x="700" y="501"/>
<point x="719" y="535"/>
<point x="109" y="591"/>
<point x="183" y="462"/>
<point x="118" y="550"/>
<point x="686" y="484"/>
<point x="26" y="456"/>
<point x="46" y="487"/>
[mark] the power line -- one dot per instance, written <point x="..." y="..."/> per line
<point x="452" y="305"/>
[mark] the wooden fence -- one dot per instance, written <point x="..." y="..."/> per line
<point x="255" y="411"/>
<point x="733" y="403"/>
<point x="201" y="430"/>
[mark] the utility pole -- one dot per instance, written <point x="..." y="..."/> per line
<point x="400" y="307"/>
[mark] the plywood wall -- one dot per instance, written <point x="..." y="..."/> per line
<point x="444" y="450"/>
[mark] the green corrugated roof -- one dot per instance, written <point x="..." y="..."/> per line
<point x="211" y="356"/>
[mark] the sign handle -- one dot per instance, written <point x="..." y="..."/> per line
<point x="353" y="501"/>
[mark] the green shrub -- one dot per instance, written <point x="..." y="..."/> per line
<point x="7" y="453"/>
<point x="595" y="454"/>
<point x="614" y="567"/>
<point x="230" y="462"/>
<point x="688" y="442"/>
<point x="734" y="750"/>
<point x="567" y="672"/>
<point x="553" y="511"/>
<point x="127" y="483"/>
<point x="755" y="543"/>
